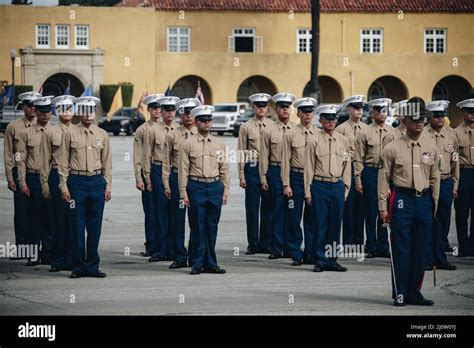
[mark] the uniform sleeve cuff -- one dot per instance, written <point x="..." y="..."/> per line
<point x="183" y="194"/>
<point x="358" y="181"/>
<point x="108" y="188"/>
<point x="383" y="206"/>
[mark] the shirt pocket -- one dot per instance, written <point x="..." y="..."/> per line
<point x="34" y="148"/>
<point x="253" y="140"/>
<point x="464" y="149"/>
<point x="322" y="159"/>
<point x="297" y="149"/>
<point x="78" y="151"/>
<point x="56" y="141"/>
<point x="403" y="168"/>
<point x="338" y="160"/>
<point x="97" y="150"/>
<point x="195" y="159"/>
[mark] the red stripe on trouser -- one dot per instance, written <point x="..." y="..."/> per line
<point x="390" y="206"/>
<point x="421" y="282"/>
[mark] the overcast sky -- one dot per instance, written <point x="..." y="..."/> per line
<point x="35" y="2"/>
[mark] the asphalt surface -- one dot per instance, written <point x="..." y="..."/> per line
<point x="253" y="284"/>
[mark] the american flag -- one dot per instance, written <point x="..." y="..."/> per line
<point x="199" y="96"/>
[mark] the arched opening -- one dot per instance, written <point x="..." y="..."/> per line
<point x="330" y="90"/>
<point x="58" y="83"/>
<point x="255" y="84"/>
<point x="453" y="88"/>
<point x="388" y="87"/>
<point x="186" y="87"/>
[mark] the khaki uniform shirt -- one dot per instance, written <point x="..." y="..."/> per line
<point x="397" y="133"/>
<point x="153" y="146"/>
<point x="294" y="143"/>
<point x="203" y="158"/>
<point x="271" y="146"/>
<point x="409" y="164"/>
<point x="85" y="149"/>
<point x="249" y="142"/>
<point x="446" y="142"/>
<point x="173" y="141"/>
<point x="466" y="145"/>
<point x="327" y="156"/>
<point x="368" y="148"/>
<point x="50" y="150"/>
<point x="29" y="151"/>
<point x="12" y="137"/>
<point x="351" y="130"/>
<point x="138" y="150"/>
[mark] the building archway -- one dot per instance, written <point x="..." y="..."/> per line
<point x="255" y="84"/>
<point x="186" y="87"/>
<point x="330" y="90"/>
<point x="388" y="87"/>
<point x="453" y="88"/>
<point x="57" y="84"/>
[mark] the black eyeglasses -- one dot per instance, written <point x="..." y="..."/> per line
<point x="204" y="121"/>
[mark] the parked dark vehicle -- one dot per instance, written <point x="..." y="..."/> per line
<point x="247" y="115"/>
<point x="125" y="120"/>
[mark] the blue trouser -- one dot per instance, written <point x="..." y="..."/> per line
<point x="353" y="222"/>
<point x="327" y="206"/>
<point x="411" y="222"/>
<point x="60" y="220"/>
<point x="204" y="214"/>
<point x="20" y="217"/>
<point x="177" y="221"/>
<point x="256" y="201"/>
<point x="377" y="242"/>
<point x="277" y="210"/>
<point x="161" y="210"/>
<point x="295" y="213"/>
<point x="464" y="206"/>
<point x="87" y="207"/>
<point x="38" y="227"/>
<point x="147" y="203"/>
<point x="436" y="254"/>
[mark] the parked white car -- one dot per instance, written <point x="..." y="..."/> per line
<point x="225" y="115"/>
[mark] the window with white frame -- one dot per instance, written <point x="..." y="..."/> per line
<point x="304" y="40"/>
<point x="179" y="39"/>
<point x="62" y="36"/>
<point x="435" y="40"/>
<point x="42" y="35"/>
<point x="244" y="40"/>
<point x="371" y="40"/>
<point x="82" y="36"/>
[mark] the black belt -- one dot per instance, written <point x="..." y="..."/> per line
<point x="275" y="164"/>
<point x="297" y="170"/>
<point x="85" y="172"/>
<point x="206" y="180"/>
<point x="411" y="191"/>
<point x="32" y="171"/>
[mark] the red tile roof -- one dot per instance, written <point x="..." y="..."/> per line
<point x="378" y="6"/>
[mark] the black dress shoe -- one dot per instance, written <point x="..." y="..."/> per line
<point x="336" y="268"/>
<point x="370" y="256"/>
<point x="420" y="302"/>
<point x="318" y="268"/>
<point x="399" y="303"/>
<point x="297" y="263"/>
<point x="274" y="256"/>
<point x="145" y="253"/>
<point x="429" y="268"/>
<point x="251" y="251"/>
<point x="156" y="259"/>
<point x="384" y="255"/>
<point x="54" y="269"/>
<point x="461" y="254"/>
<point x="176" y="265"/>
<point x="216" y="270"/>
<point x="447" y="266"/>
<point x="263" y="251"/>
<point x="97" y="274"/>
<point x="33" y="263"/>
<point x="195" y="271"/>
<point x="449" y="249"/>
<point x="75" y="275"/>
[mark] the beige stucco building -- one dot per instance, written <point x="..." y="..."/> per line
<point x="234" y="51"/>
